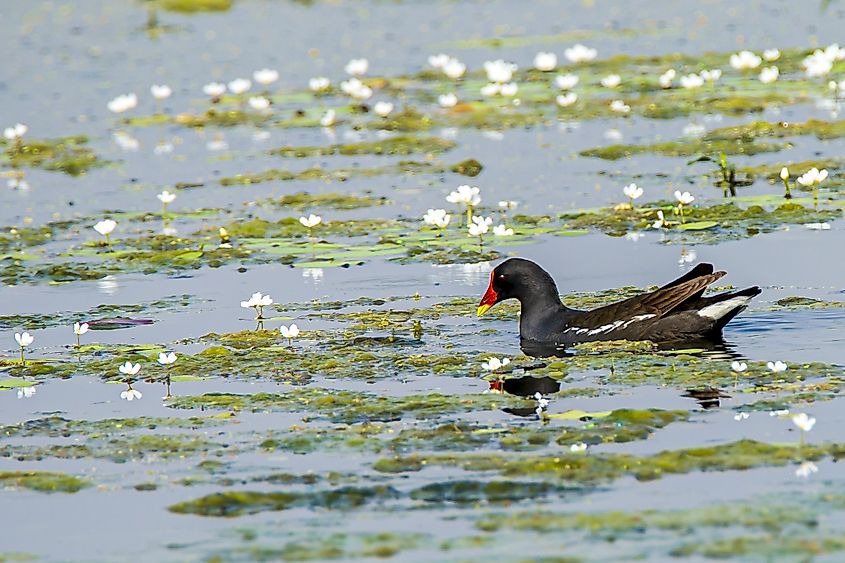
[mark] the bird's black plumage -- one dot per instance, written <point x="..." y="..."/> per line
<point x="677" y="311"/>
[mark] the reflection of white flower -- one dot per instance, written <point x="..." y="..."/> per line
<point x="131" y="394"/>
<point x="315" y="274"/>
<point x="566" y="81"/>
<point x="578" y="448"/>
<point x="438" y="61"/>
<point x="769" y="74"/>
<point x="160" y="92"/>
<point x="509" y="90"/>
<point x="579" y="53"/>
<point x="660" y="222"/>
<point x="319" y="84"/>
<point x="711" y="75"/>
<point x="545" y="62"/>
<point x="26" y="392"/>
<point x="493" y="363"/>
<point x="777" y="367"/>
<point x="745" y="60"/>
<point x="508" y="204"/>
<point x="447" y="100"/>
<point x="806" y="469"/>
<point x="566" y="100"/>
<point x="782" y="412"/>
<point x="687" y="256"/>
<point x="741" y="416"/>
<point x="611" y="81"/>
<point x="817" y="226"/>
<point x="166" y="359"/>
<point x="311" y="221"/>
<point x="542" y="402"/>
<point x="357" y="67"/>
<point x="259" y="103"/>
<point x="329" y="118"/>
<point x="739" y="367"/>
<point x="126" y="142"/>
<point x="239" y="85"/>
<point x="502" y="231"/>
<point x="265" y="76"/>
<point x="803" y="421"/>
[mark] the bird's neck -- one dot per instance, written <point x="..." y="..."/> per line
<point x="542" y="314"/>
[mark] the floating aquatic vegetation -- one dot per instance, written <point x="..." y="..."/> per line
<point x="66" y="154"/>
<point x="332" y="200"/>
<point x="392" y="146"/>
<point x="686" y="148"/>
<point x="43" y="481"/>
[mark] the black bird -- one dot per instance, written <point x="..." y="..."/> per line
<point x="673" y="313"/>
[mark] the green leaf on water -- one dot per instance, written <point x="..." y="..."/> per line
<point x="698" y="225"/>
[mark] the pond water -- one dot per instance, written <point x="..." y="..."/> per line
<point x="376" y="432"/>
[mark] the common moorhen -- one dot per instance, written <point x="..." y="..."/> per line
<point x="675" y="312"/>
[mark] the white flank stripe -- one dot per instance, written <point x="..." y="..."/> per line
<point x="718" y="310"/>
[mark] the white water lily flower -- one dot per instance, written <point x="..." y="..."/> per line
<point x="26" y="392"/>
<point x="769" y="74"/>
<point x="123" y="103"/>
<point x="510" y="89"/>
<point x="508" y="204"/>
<point x="15" y="132"/>
<point x="437" y="217"/>
<point x="834" y="52"/>
<point x="665" y="79"/>
<point x="687" y="256"/>
<point x="542" y="402"/>
<point x="289" y="332"/>
<point x="80" y="329"/>
<point x="784" y="173"/>
<point x="129" y="368"/>
<point x="24" y="339"/>
<point x="711" y="75"/>
<point x="777" y="367"/>
<point x="454" y="68"/>
<point x="771" y="54"/>
<point x="131" y="394"/>
<point x="806" y="469"/>
<point x="214" y="89"/>
<point x="319" y="84"/>
<point x="745" y="60"/>
<point x="739" y="367"/>
<point x="491" y="89"/>
<point x="311" y="221"/>
<point x="166" y="359"/>
<point x="620" y="106"/>
<point x="357" y="67"/>
<point x="691" y="81"/>
<point x="438" y="61"/>
<point x="468" y="195"/>
<point x="493" y="363"/>
<point x="166" y="197"/>
<point x="633" y="191"/>
<point x="545" y="62"/>
<point x="502" y="231"/>
<point x="329" y="118"/>
<point x="579" y="53"/>
<point x="813" y="177"/>
<point x="259" y="103"/>
<point x="265" y="76"/>
<point x="239" y="85"/>
<point x="611" y="81"/>
<point x="817" y="64"/>
<point x="160" y="91"/>
<point x="566" y="100"/>
<point x="684" y="198"/>
<point x="383" y="109"/>
<point x="499" y="71"/>
<point x="741" y="416"/>
<point x="578" y="448"/>
<point x="105" y="227"/>
<point x="566" y="81"/>
<point x="803" y="421"/>
<point x="660" y="222"/>
<point x="357" y="89"/>
<point x="479" y="226"/>
<point x="447" y="100"/>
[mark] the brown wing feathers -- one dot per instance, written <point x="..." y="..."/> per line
<point x="665" y="300"/>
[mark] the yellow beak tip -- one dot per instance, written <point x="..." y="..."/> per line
<point x="482" y="309"/>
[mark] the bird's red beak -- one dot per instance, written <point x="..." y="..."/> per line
<point x="490" y="298"/>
